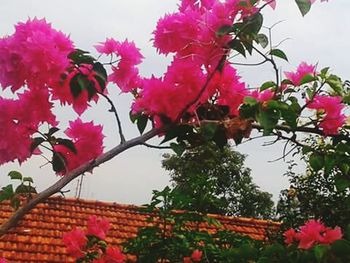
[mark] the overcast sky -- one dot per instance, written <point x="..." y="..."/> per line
<point x="321" y="37"/>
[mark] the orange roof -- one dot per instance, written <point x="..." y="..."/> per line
<point x="38" y="238"/>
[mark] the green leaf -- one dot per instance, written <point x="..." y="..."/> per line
<point x="237" y="45"/>
<point x="58" y="162"/>
<point x="267" y="85"/>
<point x="52" y="131"/>
<point x="15" y="202"/>
<point x="268" y="120"/>
<point x="224" y="30"/>
<point x="21" y="189"/>
<point x="28" y="179"/>
<point x="35" y="143"/>
<point x="253" y="23"/>
<point x="278" y="53"/>
<point x="250" y="101"/>
<point x="262" y="39"/>
<point x="304" y="6"/>
<point x="14" y="175"/>
<point x="178" y="148"/>
<point x="100" y="70"/>
<point x="341" y="248"/>
<point x="79" y="56"/>
<point x="307" y="78"/>
<point x="336" y="84"/>
<point x="68" y="144"/>
<point x="75" y="87"/>
<point x="277" y="105"/>
<point x="320" y="251"/>
<point x="316" y="161"/>
<point x="341" y="183"/>
<point x="208" y="130"/>
<point x="142" y="123"/>
<point x="6" y="193"/>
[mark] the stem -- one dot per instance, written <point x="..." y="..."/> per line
<point x="88" y="166"/>
<point x="114" y="110"/>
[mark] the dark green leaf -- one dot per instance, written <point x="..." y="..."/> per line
<point x="35" y="143"/>
<point x="75" y="87"/>
<point x="341" y="183"/>
<point x="14" y="175"/>
<point x="58" y="162"/>
<point x="267" y="85"/>
<point x="237" y="45"/>
<point x="79" y="56"/>
<point x="68" y="144"/>
<point x="21" y="189"/>
<point x="52" y="131"/>
<point x="278" y="53"/>
<point x="100" y="70"/>
<point x="316" y="161"/>
<point x="6" y="192"/>
<point x="304" y="6"/>
<point x="224" y="30"/>
<point x="208" y="130"/>
<point x="142" y="123"/>
<point x="341" y="248"/>
<point x="262" y="40"/>
<point x="178" y="148"/>
<point x="28" y="179"/>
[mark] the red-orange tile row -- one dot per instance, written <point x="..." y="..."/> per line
<point x="38" y="238"/>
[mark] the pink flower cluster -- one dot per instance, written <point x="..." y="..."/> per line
<point x="195" y="257"/>
<point x="35" y="55"/>
<point x="88" y="141"/>
<point x="190" y="34"/>
<point x="17" y="126"/>
<point x="331" y="108"/>
<point x="302" y="71"/>
<point x="2" y="260"/>
<point x="76" y="242"/>
<point x="125" y="74"/>
<point x="312" y="233"/>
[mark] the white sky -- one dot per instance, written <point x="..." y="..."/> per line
<point x="321" y="37"/>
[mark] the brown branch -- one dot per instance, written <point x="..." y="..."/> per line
<point x="56" y="187"/>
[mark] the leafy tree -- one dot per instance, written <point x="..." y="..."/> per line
<point x="216" y="181"/>
<point x="320" y="192"/>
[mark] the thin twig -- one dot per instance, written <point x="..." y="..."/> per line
<point x="114" y="110"/>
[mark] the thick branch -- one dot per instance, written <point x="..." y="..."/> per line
<point x="55" y="188"/>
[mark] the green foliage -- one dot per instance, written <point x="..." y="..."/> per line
<point x="23" y="191"/>
<point x="216" y="181"/>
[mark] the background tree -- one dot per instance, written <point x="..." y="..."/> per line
<point x="322" y="191"/>
<point x="217" y="182"/>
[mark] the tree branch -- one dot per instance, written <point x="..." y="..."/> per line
<point x="56" y="187"/>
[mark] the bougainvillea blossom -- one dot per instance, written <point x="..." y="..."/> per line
<point x="75" y="241"/>
<point x="88" y="141"/>
<point x="302" y="71"/>
<point x="97" y="227"/>
<point x="331" y="107"/>
<point x="35" y="55"/>
<point x="313" y="232"/>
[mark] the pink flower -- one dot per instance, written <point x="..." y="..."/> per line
<point x="88" y="141"/>
<point x="263" y="96"/>
<point x="332" y="108"/>
<point x="331" y="235"/>
<point x="313" y="232"/>
<point x="289" y="236"/>
<point x="108" y="47"/>
<point x="302" y="70"/>
<point x="97" y="227"/>
<point x="2" y="260"/>
<point x="35" y="55"/>
<point x="196" y="255"/>
<point x="75" y="240"/>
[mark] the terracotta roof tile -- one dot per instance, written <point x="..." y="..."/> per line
<point x="38" y="238"/>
